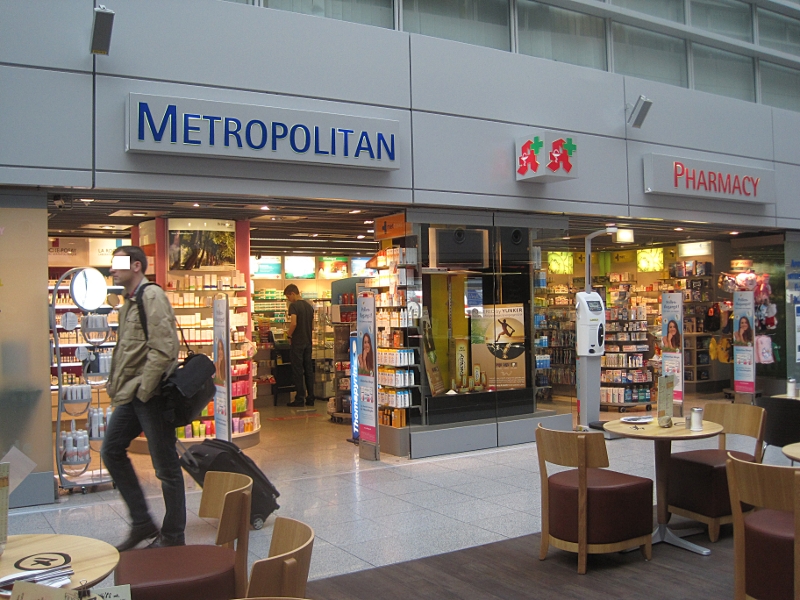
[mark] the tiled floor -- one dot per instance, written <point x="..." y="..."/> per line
<point x="365" y="514"/>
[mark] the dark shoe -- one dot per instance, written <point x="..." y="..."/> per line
<point x="296" y="403"/>
<point x="162" y="542"/>
<point x="137" y="535"/>
<point x="309" y="402"/>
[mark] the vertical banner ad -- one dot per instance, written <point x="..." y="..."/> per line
<point x="222" y="378"/>
<point x="672" y="340"/>
<point x="366" y="363"/>
<point x="354" y="407"/>
<point x="666" y="394"/>
<point x="744" y="368"/>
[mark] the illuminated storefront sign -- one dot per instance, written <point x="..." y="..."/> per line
<point x="546" y="156"/>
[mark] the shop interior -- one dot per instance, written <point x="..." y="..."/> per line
<point x="475" y="316"/>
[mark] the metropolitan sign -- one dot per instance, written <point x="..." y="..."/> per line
<point x="190" y="127"/>
<point x="678" y="176"/>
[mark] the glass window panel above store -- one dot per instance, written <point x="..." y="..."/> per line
<point x="368" y="12"/>
<point x="725" y="17"/>
<point x="562" y="35"/>
<point x="780" y="86"/>
<point x="671" y="10"/>
<point x="479" y="22"/>
<point x="649" y="55"/>
<point x="723" y="73"/>
<point x="778" y="32"/>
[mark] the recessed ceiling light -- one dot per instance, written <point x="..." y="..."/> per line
<point x="679" y="229"/>
<point x="734" y="233"/>
<point x="370" y="231"/>
<point x="273" y="218"/>
<point x="360" y="237"/>
<point x="314" y="234"/>
<point x="265" y="207"/>
<point x="355" y="212"/>
<point x="86" y="200"/>
<point x="195" y="204"/>
<point x="139" y="214"/>
<point x="368" y="222"/>
<point x="106" y="227"/>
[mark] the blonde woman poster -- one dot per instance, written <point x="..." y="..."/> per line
<point x="672" y="339"/>
<point x="744" y="368"/>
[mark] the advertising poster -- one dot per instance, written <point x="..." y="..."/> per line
<point x="498" y="345"/>
<point x="430" y="357"/>
<point x="222" y="378"/>
<point x="333" y="267"/>
<point x="299" y="267"/>
<point x="672" y="340"/>
<point x="265" y="267"/>
<point x="666" y="394"/>
<point x="744" y="368"/>
<point x="354" y="408"/>
<point x="366" y="363"/>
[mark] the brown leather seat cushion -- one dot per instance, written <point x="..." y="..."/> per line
<point x="698" y="481"/>
<point x="178" y="573"/>
<point x="620" y="506"/>
<point x="769" y="554"/>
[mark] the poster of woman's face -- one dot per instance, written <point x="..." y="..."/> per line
<point x="743" y="329"/>
<point x="671" y="330"/>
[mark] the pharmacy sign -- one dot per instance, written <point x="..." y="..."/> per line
<point x="546" y="156"/>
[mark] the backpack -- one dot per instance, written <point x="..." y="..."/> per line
<point x="190" y="387"/>
<point x="764" y="350"/>
<point x="724" y="350"/>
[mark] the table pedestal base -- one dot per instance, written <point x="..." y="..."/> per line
<point x="662" y="533"/>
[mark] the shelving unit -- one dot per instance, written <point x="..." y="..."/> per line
<point x="322" y="350"/>
<point x="399" y="360"/>
<point x="342" y="407"/>
<point x="76" y="399"/>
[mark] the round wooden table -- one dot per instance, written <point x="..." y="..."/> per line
<point x="662" y="438"/>
<point x="792" y="451"/>
<point x="92" y="560"/>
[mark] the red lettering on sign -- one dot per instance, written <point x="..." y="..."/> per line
<point x="755" y="181"/>
<point x="692" y="178"/>
<point x="724" y="183"/>
<point x="737" y="185"/>
<point x="677" y="170"/>
<point x="712" y="181"/>
<point x="701" y="181"/>
<point x="745" y="179"/>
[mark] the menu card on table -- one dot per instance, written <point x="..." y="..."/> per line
<point x="25" y="590"/>
<point x="666" y="391"/>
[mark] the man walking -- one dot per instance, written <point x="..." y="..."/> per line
<point x="301" y="321"/>
<point x="140" y="359"/>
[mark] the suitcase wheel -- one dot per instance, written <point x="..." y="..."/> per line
<point x="257" y="522"/>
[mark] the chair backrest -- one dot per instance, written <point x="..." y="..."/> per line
<point x="762" y="486"/>
<point x="285" y="572"/>
<point x="739" y="419"/>
<point x="227" y="497"/>
<point x="570" y="448"/>
<point x="783" y="420"/>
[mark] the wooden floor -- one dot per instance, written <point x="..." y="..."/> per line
<point x="511" y="569"/>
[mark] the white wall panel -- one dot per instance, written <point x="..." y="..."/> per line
<point x="460" y="79"/>
<point x="208" y="42"/>
<point x="44" y="33"/>
<point x="691" y="119"/>
<point x="471" y="156"/>
<point x="463" y="200"/>
<point x="47" y="120"/>
<point x="786" y="132"/>
<point x="111" y="156"/>
<point x="787" y="186"/>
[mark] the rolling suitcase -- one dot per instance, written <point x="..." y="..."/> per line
<point x="219" y="455"/>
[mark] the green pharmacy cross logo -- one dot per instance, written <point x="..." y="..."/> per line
<point x="527" y="158"/>
<point x="560" y="155"/>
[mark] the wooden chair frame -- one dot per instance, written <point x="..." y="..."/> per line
<point x="739" y="419"/>
<point x="582" y="451"/>
<point x="227" y="497"/>
<point x="762" y="486"/>
<point x="285" y="572"/>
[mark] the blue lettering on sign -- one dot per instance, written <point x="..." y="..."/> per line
<point x="170" y="116"/>
<point x="257" y="133"/>
<point x="354" y="393"/>
<point x="795" y="263"/>
<point x="793" y="276"/>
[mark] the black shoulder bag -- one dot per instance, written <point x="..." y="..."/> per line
<point x="191" y="386"/>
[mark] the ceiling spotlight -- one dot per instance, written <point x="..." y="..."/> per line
<point x="139" y="214"/>
<point x="314" y="234"/>
<point x="679" y="229"/>
<point x="265" y="207"/>
<point x="86" y="200"/>
<point x="370" y="231"/>
<point x="734" y="233"/>
<point x="623" y="236"/>
<point x="106" y="227"/>
<point x="195" y="205"/>
<point x="639" y="112"/>
<point x="360" y="237"/>
<point x="354" y="212"/>
<point x="368" y="222"/>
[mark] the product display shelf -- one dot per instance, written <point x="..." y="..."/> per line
<point x="75" y="472"/>
<point x="397" y="329"/>
<point x="323" y="350"/>
<point x="341" y="410"/>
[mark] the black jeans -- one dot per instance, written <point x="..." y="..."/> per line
<point x="127" y="422"/>
<point x="302" y="372"/>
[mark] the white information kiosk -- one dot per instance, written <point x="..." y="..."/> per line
<point x="590" y="333"/>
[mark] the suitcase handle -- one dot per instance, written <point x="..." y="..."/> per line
<point x="187" y="455"/>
